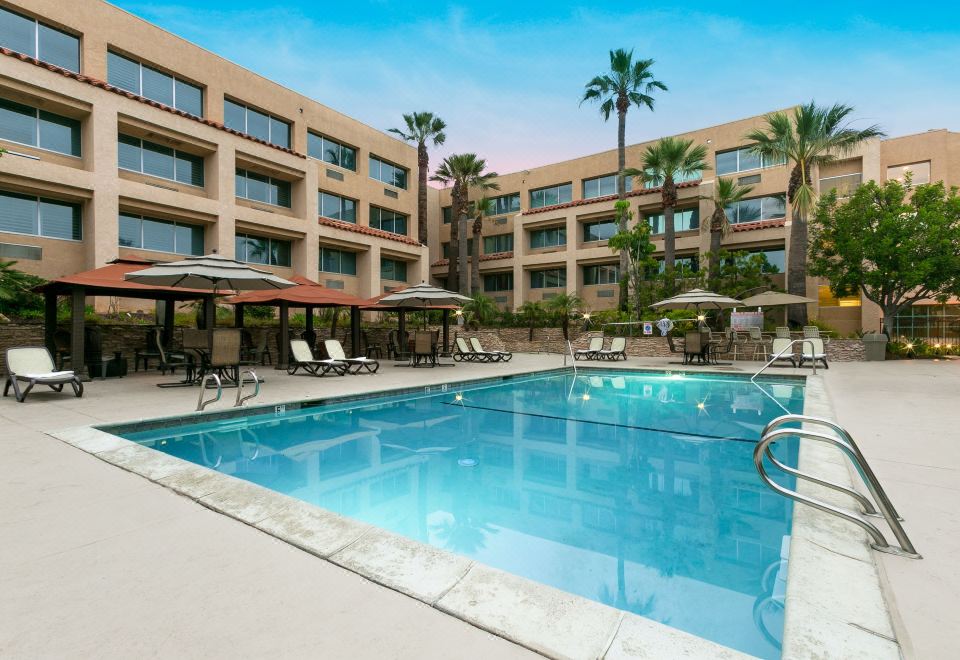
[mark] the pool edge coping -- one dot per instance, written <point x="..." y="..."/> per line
<point x="260" y="507"/>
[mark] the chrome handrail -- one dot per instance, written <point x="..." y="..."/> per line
<point x="784" y="352"/>
<point x="201" y="404"/>
<point x="572" y="357"/>
<point x="256" y="391"/>
<point x="770" y="436"/>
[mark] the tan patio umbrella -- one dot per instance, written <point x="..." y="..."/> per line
<point x="697" y="299"/>
<point x="775" y="299"/>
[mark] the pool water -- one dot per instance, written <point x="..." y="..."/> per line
<point x="637" y="490"/>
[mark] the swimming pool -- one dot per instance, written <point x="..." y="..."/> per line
<point x="633" y="489"/>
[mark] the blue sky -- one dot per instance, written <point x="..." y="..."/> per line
<point x="507" y="76"/>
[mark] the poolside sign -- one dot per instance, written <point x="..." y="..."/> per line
<point x="647" y="328"/>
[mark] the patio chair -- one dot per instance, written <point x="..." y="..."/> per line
<point x="759" y="344"/>
<point x="423" y="352"/>
<point x="462" y="351"/>
<point x="811" y="350"/>
<point x="739" y="342"/>
<point x="811" y="332"/>
<point x="722" y="346"/>
<point x="673" y="345"/>
<point x="498" y="356"/>
<point x="301" y="357"/>
<point x="617" y="350"/>
<point x="589" y="353"/>
<point x="172" y="360"/>
<point x="693" y="347"/>
<point x="781" y="350"/>
<point x="34" y="365"/>
<point x="225" y="352"/>
<point x="335" y="350"/>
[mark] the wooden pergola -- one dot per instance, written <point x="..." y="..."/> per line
<point x="108" y="281"/>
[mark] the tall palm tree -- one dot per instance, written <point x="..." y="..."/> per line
<point x="464" y="171"/>
<point x="627" y="83"/>
<point x="810" y="136"/>
<point x="664" y="162"/>
<point x="565" y="305"/>
<point x="481" y="207"/>
<point x="725" y="193"/>
<point x="533" y="314"/>
<point x="422" y="127"/>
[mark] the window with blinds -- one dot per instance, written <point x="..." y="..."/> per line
<point x="44" y="42"/>
<point x="153" y="84"/>
<point x="136" y="155"/>
<point x="31" y="126"/>
<point x="39" y="216"/>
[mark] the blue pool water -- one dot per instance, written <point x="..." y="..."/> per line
<point x="633" y="489"/>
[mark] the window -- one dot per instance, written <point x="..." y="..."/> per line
<point x="138" y="155"/>
<point x="504" y="204"/>
<point x="445" y="247"/>
<point x="256" y="124"/>
<point x="391" y="221"/>
<point x="825" y="298"/>
<point x="550" y="237"/>
<point x="844" y="184"/>
<point x="656" y="182"/>
<point x="691" y="263"/>
<point x="137" y="231"/>
<point x="391" y="269"/>
<point x="756" y="209"/>
<point x="338" y="208"/>
<point x="39" y="40"/>
<point x="601" y="274"/>
<point x="604" y="185"/>
<point x="683" y="220"/>
<point x="919" y="172"/>
<point x="559" y="194"/>
<point x="331" y="151"/>
<point x="498" y="243"/>
<point x="38" y="216"/>
<point x="39" y="128"/>
<point x="498" y="282"/>
<point x="262" y="188"/>
<point x="262" y="250"/>
<point x="599" y="231"/>
<point x="156" y="85"/>
<point x="338" y="261"/>
<point x="743" y="159"/>
<point x="552" y="278"/>
<point x="447" y="214"/>
<point x="392" y="175"/>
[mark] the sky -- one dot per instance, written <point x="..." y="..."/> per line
<point x="507" y="77"/>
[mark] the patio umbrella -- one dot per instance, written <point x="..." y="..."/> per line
<point x="211" y="272"/>
<point x="422" y="296"/>
<point x="775" y="299"/>
<point x="697" y="299"/>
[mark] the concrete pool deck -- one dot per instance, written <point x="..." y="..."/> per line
<point x="90" y="555"/>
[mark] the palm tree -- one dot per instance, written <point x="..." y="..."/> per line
<point x="533" y="314"/>
<point x="481" y="207"/>
<point x="663" y="163"/>
<point x="725" y="193"/>
<point x="565" y="305"/>
<point x="481" y="309"/>
<point x="464" y="171"/>
<point x="422" y="127"/>
<point x="813" y="136"/>
<point x="626" y="83"/>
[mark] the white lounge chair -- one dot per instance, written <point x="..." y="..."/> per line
<point x="34" y="365"/>
<point x="781" y="350"/>
<point x="589" y="353"/>
<point x="301" y="357"/>
<point x="335" y="351"/>
<point x="496" y="356"/>
<point x="464" y="353"/>
<point x="812" y="351"/>
<point x="617" y="350"/>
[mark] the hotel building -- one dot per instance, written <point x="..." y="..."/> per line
<point x="125" y="140"/>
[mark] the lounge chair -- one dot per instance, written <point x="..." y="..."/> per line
<point x="617" y="350"/>
<point x="463" y="352"/>
<point x="499" y="356"/>
<point x="301" y="357"/>
<point x="589" y="353"/>
<point x="811" y="350"/>
<point x="335" y="351"/>
<point x="782" y="350"/>
<point x="34" y="365"/>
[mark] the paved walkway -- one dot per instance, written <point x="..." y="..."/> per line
<point x="904" y="416"/>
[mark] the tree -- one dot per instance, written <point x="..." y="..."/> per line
<point x="464" y="171"/>
<point x="481" y="208"/>
<point x="564" y="306"/>
<point x="635" y="247"/>
<point x="813" y="136"/>
<point x="663" y="163"/>
<point x="626" y="83"/>
<point x="533" y="314"/>
<point x="725" y="193"/>
<point x="16" y="291"/>
<point x="894" y="243"/>
<point x="422" y="127"/>
<point x="481" y="309"/>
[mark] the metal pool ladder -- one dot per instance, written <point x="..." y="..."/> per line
<point x="884" y="507"/>
<point x="572" y="358"/>
<point x="201" y="404"/>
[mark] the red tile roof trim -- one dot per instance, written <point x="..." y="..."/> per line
<point x="759" y="224"/>
<point x="130" y="95"/>
<point x="483" y="257"/>
<point x="605" y="198"/>
<point x="369" y="231"/>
